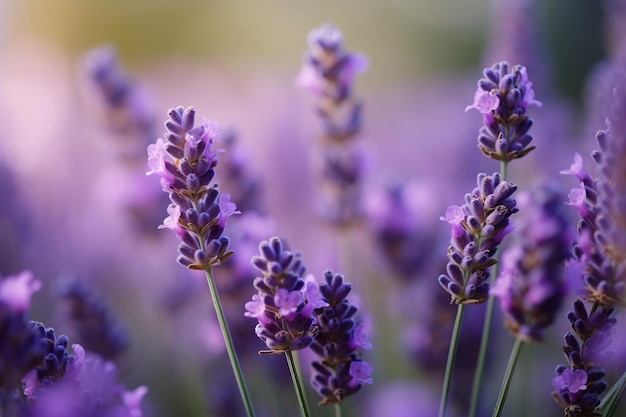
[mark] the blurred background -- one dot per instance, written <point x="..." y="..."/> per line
<point x="76" y="203"/>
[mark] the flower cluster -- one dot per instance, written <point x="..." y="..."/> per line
<point x="478" y="227"/>
<point x="340" y="371"/>
<point x="531" y="287"/>
<point x="579" y="385"/>
<point x="285" y="300"/>
<point x="602" y="276"/>
<point x="20" y="349"/>
<point x="198" y="212"/>
<point x="50" y="380"/>
<point x="503" y="97"/>
<point x="329" y="72"/>
<point x="124" y="105"/>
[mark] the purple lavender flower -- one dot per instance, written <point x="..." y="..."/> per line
<point x="20" y="350"/>
<point x="597" y="247"/>
<point x="578" y="386"/>
<point x="340" y="371"/>
<point x="503" y="97"/>
<point x="394" y="214"/>
<point x="198" y="212"/>
<point x="478" y="227"/>
<point x="121" y="101"/>
<point x="75" y="385"/>
<point x="96" y="327"/>
<point x="329" y="72"/>
<point x="531" y="287"/>
<point x="285" y="300"/>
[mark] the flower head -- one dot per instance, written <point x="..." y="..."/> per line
<point x="503" y="96"/>
<point x="186" y="162"/>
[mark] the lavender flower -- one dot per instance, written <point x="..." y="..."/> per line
<point x="578" y="386"/>
<point x="96" y="328"/>
<point x="531" y="286"/>
<point x="478" y="227"/>
<point x="120" y="99"/>
<point x="503" y="97"/>
<point x="285" y="300"/>
<point x="340" y="371"/>
<point x="20" y="350"/>
<point x="328" y="72"/>
<point x="198" y="212"/>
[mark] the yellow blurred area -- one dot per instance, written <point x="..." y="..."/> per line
<point x="402" y="38"/>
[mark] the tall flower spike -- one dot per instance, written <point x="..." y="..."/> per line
<point x="198" y="212"/>
<point x="531" y="287"/>
<point x="339" y="372"/>
<point x="285" y="300"/>
<point x="119" y="99"/>
<point x="503" y="96"/>
<point x="328" y="72"/>
<point x="578" y="386"/>
<point x="478" y="227"/>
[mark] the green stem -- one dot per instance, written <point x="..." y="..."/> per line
<point x="230" y="347"/>
<point x="454" y="342"/>
<point x="484" y="340"/>
<point x="337" y="409"/>
<point x="508" y="376"/>
<point x="297" y="384"/>
<point x="609" y="404"/>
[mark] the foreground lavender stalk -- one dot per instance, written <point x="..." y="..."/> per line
<point x="601" y="252"/>
<point x="340" y="371"/>
<point x="502" y="97"/>
<point x="198" y="212"/>
<point x="531" y="286"/>
<point x="284" y="306"/>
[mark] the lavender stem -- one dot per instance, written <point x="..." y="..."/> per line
<point x="230" y="347"/>
<point x="484" y="341"/>
<point x="297" y="384"/>
<point x="454" y="341"/>
<point x="508" y="376"/>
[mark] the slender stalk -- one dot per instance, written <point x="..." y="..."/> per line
<point x="484" y="340"/>
<point x="230" y="347"/>
<point x="508" y="376"/>
<point x="454" y="342"/>
<point x="338" y="410"/>
<point x="297" y="384"/>
<point x="611" y="399"/>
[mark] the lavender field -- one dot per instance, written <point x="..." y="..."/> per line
<point x="340" y="209"/>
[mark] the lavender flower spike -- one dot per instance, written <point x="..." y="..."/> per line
<point x="478" y="227"/>
<point x="339" y="372"/>
<point x="285" y="300"/>
<point x="531" y="286"/>
<point x="578" y="386"/>
<point x="198" y="213"/>
<point x="503" y="97"/>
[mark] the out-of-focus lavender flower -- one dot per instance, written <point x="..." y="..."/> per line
<point x="96" y="328"/>
<point x="329" y="72"/>
<point x="120" y="101"/>
<point x="340" y="371"/>
<point x="579" y="385"/>
<point x="198" y="212"/>
<point x="478" y="227"/>
<point x="75" y="385"/>
<point x="503" y="97"/>
<point x="285" y="300"/>
<point x="20" y="350"/>
<point x="235" y="176"/>
<point x="531" y="287"/>
<point x="394" y="214"/>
